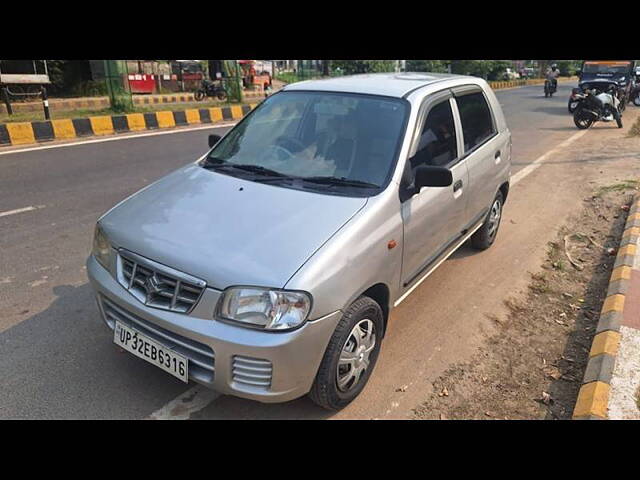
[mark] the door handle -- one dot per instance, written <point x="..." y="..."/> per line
<point x="457" y="186"/>
<point x="497" y="154"/>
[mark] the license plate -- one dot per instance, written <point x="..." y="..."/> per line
<point x="159" y="355"/>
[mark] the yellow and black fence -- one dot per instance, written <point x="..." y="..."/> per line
<point x="24" y="133"/>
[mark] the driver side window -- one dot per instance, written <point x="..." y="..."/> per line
<point x="437" y="145"/>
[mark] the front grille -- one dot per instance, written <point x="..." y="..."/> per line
<point x="255" y="372"/>
<point x="201" y="357"/>
<point x="157" y="285"/>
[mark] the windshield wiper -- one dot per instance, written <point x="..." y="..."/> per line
<point x="216" y="163"/>
<point x="342" y="181"/>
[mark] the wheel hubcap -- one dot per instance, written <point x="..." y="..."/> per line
<point x="494" y="218"/>
<point x="354" y="356"/>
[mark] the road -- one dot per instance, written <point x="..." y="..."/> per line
<point x="57" y="359"/>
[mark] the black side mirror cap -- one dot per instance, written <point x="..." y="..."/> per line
<point x="213" y="139"/>
<point x="430" y="176"/>
<point x="426" y="176"/>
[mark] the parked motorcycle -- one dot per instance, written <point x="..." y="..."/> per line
<point x="550" y="88"/>
<point x="598" y="105"/>
<point x="210" y="89"/>
<point x="635" y="94"/>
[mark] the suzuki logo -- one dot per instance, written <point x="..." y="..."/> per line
<point x="152" y="285"/>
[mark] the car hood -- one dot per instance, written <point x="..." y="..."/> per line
<point x="226" y="230"/>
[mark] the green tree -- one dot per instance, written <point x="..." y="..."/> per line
<point x="435" y="66"/>
<point x="351" y="67"/>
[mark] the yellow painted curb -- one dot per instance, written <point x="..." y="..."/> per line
<point x="136" y="122"/>
<point x="631" y="231"/>
<point x="593" y="399"/>
<point x="627" y="250"/>
<point x="101" y="125"/>
<point x="605" y="342"/>
<point x="63" y="128"/>
<point x="20" y="133"/>
<point x="192" y="115"/>
<point x="613" y="303"/>
<point x="621" y="273"/>
<point x="215" y="113"/>
<point x="165" y="119"/>
<point x="236" y="111"/>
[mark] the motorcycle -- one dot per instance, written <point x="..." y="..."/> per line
<point x="550" y="88"/>
<point x="635" y="94"/>
<point x="598" y="106"/>
<point x="210" y="89"/>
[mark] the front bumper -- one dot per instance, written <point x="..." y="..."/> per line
<point x="226" y="356"/>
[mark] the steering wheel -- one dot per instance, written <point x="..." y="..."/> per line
<point x="284" y="148"/>
<point x="290" y="144"/>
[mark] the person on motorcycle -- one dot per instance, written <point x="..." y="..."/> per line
<point x="552" y="75"/>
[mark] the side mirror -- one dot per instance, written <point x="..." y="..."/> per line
<point x="430" y="176"/>
<point x="213" y="139"/>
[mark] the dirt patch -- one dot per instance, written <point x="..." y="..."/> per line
<point x="533" y="367"/>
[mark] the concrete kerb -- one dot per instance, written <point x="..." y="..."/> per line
<point x="593" y="398"/>
<point x="26" y="133"/>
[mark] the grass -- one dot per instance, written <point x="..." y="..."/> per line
<point x="619" y="187"/>
<point x="57" y="115"/>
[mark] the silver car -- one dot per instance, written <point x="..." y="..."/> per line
<point x="267" y="269"/>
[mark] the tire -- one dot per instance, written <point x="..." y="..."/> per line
<point x="618" y="118"/>
<point x="582" y="121"/>
<point x="487" y="233"/>
<point x="636" y="100"/>
<point x="221" y="95"/>
<point x="325" y="391"/>
<point x="198" y="95"/>
<point x="571" y="110"/>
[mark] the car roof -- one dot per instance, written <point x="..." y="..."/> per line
<point x="387" y="84"/>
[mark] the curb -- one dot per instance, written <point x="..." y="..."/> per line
<point x="525" y="83"/>
<point x="26" y="133"/>
<point x="593" y="398"/>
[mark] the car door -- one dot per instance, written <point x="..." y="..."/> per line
<point x="433" y="218"/>
<point x="483" y="150"/>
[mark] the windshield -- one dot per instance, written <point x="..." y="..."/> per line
<point x="615" y="68"/>
<point x="311" y="136"/>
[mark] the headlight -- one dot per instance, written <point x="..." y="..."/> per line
<point x="101" y="247"/>
<point x="265" y="308"/>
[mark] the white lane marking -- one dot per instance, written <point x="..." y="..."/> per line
<point x="120" y="137"/>
<point x="538" y="161"/>
<point x="189" y="402"/>
<point x="20" y="210"/>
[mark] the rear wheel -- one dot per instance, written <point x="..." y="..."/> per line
<point x="221" y="95"/>
<point x="350" y="356"/>
<point x="582" y="120"/>
<point x="636" y="100"/>
<point x="199" y="95"/>
<point x="486" y="234"/>
<point x="618" y="118"/>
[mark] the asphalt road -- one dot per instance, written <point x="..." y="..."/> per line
<point x="57" y="359"/>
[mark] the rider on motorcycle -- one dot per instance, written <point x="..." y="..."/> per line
<point x="552" y="75"/>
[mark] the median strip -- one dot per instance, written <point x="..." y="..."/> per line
<point x="27" y="133"/>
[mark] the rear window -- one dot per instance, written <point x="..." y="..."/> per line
<point x="476" y="118"/>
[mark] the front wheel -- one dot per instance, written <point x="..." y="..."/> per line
<point x="350" y="356"/>
<point x="486" y="234"/>
<point x="582" y="120"/>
